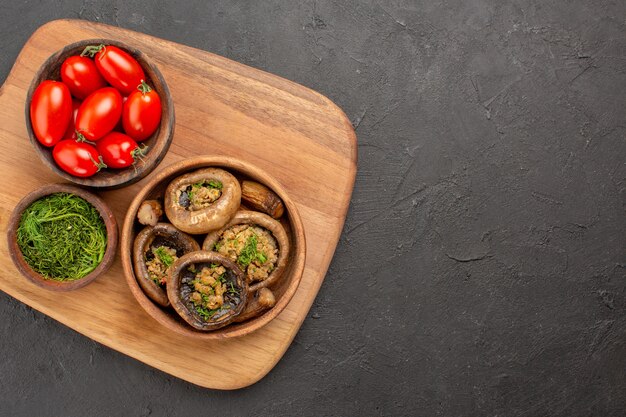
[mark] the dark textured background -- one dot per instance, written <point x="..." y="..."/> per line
<point x="481" y="271"/>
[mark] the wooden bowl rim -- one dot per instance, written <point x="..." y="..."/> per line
<point x="16" y="253"/>
<point x="129" y="175"/>
<point x="298" y="245"/>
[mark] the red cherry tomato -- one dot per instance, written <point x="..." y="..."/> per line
<point x="50" y="111"/>
<point x="141" y="114"/>
<point x="119" y="150"/>
<point x="80" y="74"/>
<point x="99" y="113"/>
<point x="70" y="133"/>
<point x="79" y="159"/>
<point x="119" y="127"/>
<point x="120" y="69"/>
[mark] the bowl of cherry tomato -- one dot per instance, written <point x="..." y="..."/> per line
<point x="99" y="114"/>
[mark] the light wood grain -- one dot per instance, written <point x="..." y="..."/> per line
<point x="222" y="108"/>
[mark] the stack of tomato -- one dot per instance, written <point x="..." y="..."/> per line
<point x="95" y="116"/>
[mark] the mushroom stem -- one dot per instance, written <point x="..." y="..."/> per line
<point x="261" y="198"/>
<point x="263" y="300"/>
<point x="149" y="212"/>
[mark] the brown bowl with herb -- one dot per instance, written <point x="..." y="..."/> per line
<point x="61" y="237"/>
<point x="215" y="294"/>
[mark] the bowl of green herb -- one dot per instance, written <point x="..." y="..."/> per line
<point x="62" y="237"/>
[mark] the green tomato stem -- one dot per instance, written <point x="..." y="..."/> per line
<point x="81" y="138"/>
<point x="92" y="50"/>
<point x="99" y="163"/>
<point x="144" y="88"/>
<point x="139" y="152"/>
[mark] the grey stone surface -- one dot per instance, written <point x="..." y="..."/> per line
<point x="481" y="271"/>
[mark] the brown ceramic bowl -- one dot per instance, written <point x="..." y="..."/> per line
<point x="16" y="253"/>
<point x="158" y="143"/>
<point x="283" y="290"/>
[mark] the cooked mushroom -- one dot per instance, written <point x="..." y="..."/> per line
<point x="154" y="251"/>
<point x="258" y="243"/>
<point x="202" y="200"/>
<point x="261" y="198"/>
<point x="263" y="300"/>
<point x="149" y="213"/>
<point x="207" y="290"/>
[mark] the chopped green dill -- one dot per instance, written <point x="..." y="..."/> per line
<point x="250" y="253"/>
<point x="217" y="246"/>
<point x="62" y="237"/>
<point x="231" y="289"/>
<point x="215" y="184"/>
<point x="210" y="183"/>
<point x="191" y="190"/>
<point x="213" y="266"/>
<point x="192" y="268"/>
<point x="165" y="257"/>
<point x="205" y="313"/>
<point x="261" y="257"/>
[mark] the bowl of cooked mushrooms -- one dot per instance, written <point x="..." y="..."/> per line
<point x="213" y="247"/>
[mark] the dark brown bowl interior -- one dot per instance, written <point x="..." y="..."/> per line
<point x="16" y="253"/>
<point x="158" y="143"/>
<point x="283" y="290"/>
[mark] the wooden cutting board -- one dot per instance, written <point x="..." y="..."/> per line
<point x="222" y="108"/>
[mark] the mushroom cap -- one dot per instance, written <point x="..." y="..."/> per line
<point x="161" y="232"/>
<point x="179" y="295"/>
<point x="208" y="218"/>
<point x="268" y="223"/>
